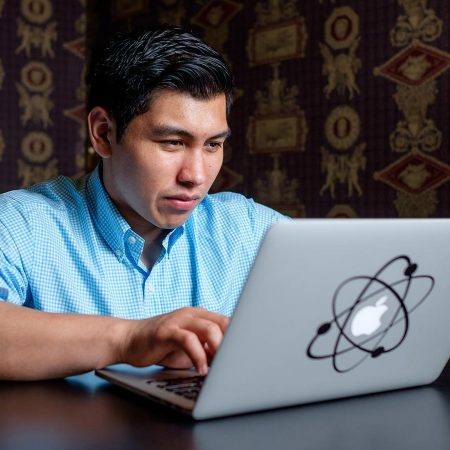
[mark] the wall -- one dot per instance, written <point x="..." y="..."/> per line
<point x="42" y="111"/>
<point x="341" y="105"/>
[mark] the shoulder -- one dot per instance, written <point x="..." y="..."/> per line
<point x="57" y="194"/>
<point x="23" y="211"/>
<point x="232" y="210"/>
<point x="35" y="216"/>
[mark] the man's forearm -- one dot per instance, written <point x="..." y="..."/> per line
<point x="38" y="345"/>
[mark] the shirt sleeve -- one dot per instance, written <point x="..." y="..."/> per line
<point x="262" y="217"/>
<point x="13" y="279"/>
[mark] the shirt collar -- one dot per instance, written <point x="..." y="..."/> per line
<point x="114" y="229"/>
<point x="108" y="220"/>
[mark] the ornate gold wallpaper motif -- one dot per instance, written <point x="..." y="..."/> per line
<point x="77" y="113"/>
<point x="344" y="170"/>
<point x="277" y="42"/>
<point x="36" y="140"/>
<point x="417" y="131"/>
<point x="36" y="11"/>
<point x="342" y="211"/>
<point x="214" y="18"/>
<point x="415" y="70"/>
<point x="121" y="9"/>
<point x="278" y="124"/>
<point x="216" y="13"/>
<point x="419" y="22"/>
<point x="36" y="37"/>
<point x="415" y="173"/>
<point x="344" y="159"/>
<point x="341" y="70"/>
<point x="306" y="80"/>
<point x="172" y="12"/>
<point x="34" y="94"/>
<point x="35" y="88"/>
<point x="274" y="11"/>
<point x="415" y="65"/>
<point x="37" y="148"/>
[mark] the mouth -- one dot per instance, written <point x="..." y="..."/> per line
<point x="183" y="202"/>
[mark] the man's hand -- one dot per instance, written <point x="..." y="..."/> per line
<point x="39" y="345"/>
<point x="180" y="339"/>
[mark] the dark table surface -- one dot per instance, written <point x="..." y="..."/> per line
<point x="85" y="412"/>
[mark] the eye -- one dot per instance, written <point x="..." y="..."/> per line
<point x="213" y="146"/>
<point x="171" y="143"/>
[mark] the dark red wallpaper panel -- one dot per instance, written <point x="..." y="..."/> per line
<point x="341" y="105"/>
<point x="42" y="95"/>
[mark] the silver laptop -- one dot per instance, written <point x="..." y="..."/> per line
<point x="331" y="308"/>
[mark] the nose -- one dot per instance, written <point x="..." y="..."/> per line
<point x="193" y="168"/>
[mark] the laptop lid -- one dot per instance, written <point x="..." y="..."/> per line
<point x="335" y="308"/>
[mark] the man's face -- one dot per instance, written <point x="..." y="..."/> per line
<point x="167" y="160"/>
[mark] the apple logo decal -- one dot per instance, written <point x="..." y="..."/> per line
<point x="371" y="314"/>
<point x="368" y="319"/>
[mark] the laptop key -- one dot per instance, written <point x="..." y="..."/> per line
<point x="185" y="387"/>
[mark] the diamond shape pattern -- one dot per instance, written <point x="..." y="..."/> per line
<point x="415" y="65"/>
<point x="415" y="173"/>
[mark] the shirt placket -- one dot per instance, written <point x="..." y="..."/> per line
<point x="152" y="287"/>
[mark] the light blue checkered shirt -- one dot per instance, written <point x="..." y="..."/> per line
<point x="64" y="247"/>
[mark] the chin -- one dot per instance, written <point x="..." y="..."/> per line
<point x="172" y="223"/>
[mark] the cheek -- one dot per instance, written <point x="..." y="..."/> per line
<point x="151" y="177"/>
<point x="148" y="169"/>
<point x="215" y="166"/>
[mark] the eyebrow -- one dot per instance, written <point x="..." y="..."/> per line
<point x="167" y="130"/>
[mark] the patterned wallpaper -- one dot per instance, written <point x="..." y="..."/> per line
<point x="42" y="93"/>
<point x="341" y="105"/>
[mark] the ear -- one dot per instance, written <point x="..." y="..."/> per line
<point x="101" y="130"/>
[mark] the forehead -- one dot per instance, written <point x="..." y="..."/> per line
<point x="174" y="108"/>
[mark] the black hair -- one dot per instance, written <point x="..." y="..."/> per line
<point x="135" y="65"/>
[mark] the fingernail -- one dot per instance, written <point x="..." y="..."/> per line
<point x="204" y="370"/>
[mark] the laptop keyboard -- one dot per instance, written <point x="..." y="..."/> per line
<point x="185" y="387"/>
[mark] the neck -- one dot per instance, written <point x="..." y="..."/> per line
<point x="152" y="249"/>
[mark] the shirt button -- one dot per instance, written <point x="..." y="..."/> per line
<point x="131" y="240"/>
<point x="118" y="253"/>
<point x="150" y="288"/>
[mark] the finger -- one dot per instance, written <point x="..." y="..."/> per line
<point x="209" y="354"/>
<point x="207" y="331"/>
<point x="191" y="345"/>
<point x="221" y="320"/>
<point x="177" y="360"/>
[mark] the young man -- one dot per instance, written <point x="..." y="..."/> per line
<point x="133" y="263"/>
